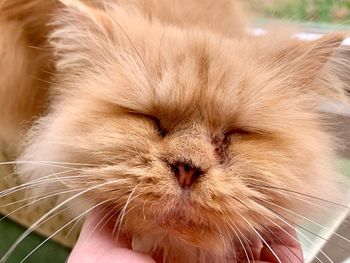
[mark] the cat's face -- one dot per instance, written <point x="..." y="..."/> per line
<point x="186" y="132"/>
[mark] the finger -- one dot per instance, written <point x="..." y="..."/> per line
<point x="284" y="243"/>
<point x="99" y="245"/>
<point x="117" y="255"/>
<point x="256" y="246"/>
<point x="283" y="254"/>
<point x="247" y="248"/>
<point x="97" y="230"/>
<point x="285" y="236"/>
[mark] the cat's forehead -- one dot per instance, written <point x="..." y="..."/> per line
<point x="217" y="84"/>
<point x="191" y="81"/>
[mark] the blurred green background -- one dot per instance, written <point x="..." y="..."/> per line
<point x="326" y="11"/>
<point x="50" y="252"/>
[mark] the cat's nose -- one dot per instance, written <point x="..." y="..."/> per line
<point x="185" y="173"/>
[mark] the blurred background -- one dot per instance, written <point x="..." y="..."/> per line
<point x="323" y="11"/>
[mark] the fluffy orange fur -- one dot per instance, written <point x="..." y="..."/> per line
<point x="138" y="87"/>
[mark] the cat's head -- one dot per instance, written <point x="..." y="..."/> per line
<point x="184" y="133"/>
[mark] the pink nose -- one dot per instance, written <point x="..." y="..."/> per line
<point x="185" y="173"/>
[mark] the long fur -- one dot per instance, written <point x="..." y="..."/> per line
<point x="122" y="64"/>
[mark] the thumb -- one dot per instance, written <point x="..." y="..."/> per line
<point x="286" y="247"/>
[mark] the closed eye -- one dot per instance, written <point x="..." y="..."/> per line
<point x="157" y="124"/>
<point x="237" y="131"/>
<point x="162" y="132"/>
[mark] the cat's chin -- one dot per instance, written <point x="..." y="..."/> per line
<point x="191" y="242"/>
<point x="181" y="244"/>
<point x="172" y="234"/>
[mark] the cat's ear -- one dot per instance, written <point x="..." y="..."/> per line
<point x="83" y="33"/>
<point x="311" y="64"/>
<point x="335" y="76"/>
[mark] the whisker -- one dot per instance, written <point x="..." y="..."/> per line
<point x="282" y="242"/>
<point x="75" y="224"/>
<point x="240" y="241"/>
<point x="41" y="79"/>
<point x="222" y="238"/>
<point x="31" y="229"/>
<point x="291" y="236"/>
<point x="65" y="209"/>
<point x="41" y="179"/>
<point x="289" y="194"/>
<point x="59" y="212"/>
<point x="265" y="208"/>
<point x="120" y="228"/>
<point x="245" y="240"/>
<point x="25" y="199"/>
<point x="100" y="221"/>
<point x="299" y="193"/>
<point x="72" y="228"/>
<point x="129" y="210"/>
<point x="309" y="202"/>
<point x="59" y="180"/>
<point x="46" y="162"/>
<point x="317" y="235"/>
<point x="309" y="220"/>
<point x="121" y="216"/>
<point x="232" y="244"/>
<point x="56" y="232"/>
<point x="109" y="218"/>
<point x="283" y="219"/>
<point x="38" y="200"/>
<point x="262" y="239"/>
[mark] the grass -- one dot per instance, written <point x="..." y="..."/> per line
<point x="49" y="252"/>
<point x="326" y="11"/>
<point x="344" y="167"/>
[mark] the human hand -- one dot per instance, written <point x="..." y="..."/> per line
<point x="97" y="244"/>
<point x="284" y="244"/>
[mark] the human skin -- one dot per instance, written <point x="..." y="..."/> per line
<point x="97" y="244"/>
<point x="287" y="248"/>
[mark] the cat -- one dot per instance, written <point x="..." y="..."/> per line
<point x="25" y="26"/>
<point x="170" y="115"/>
